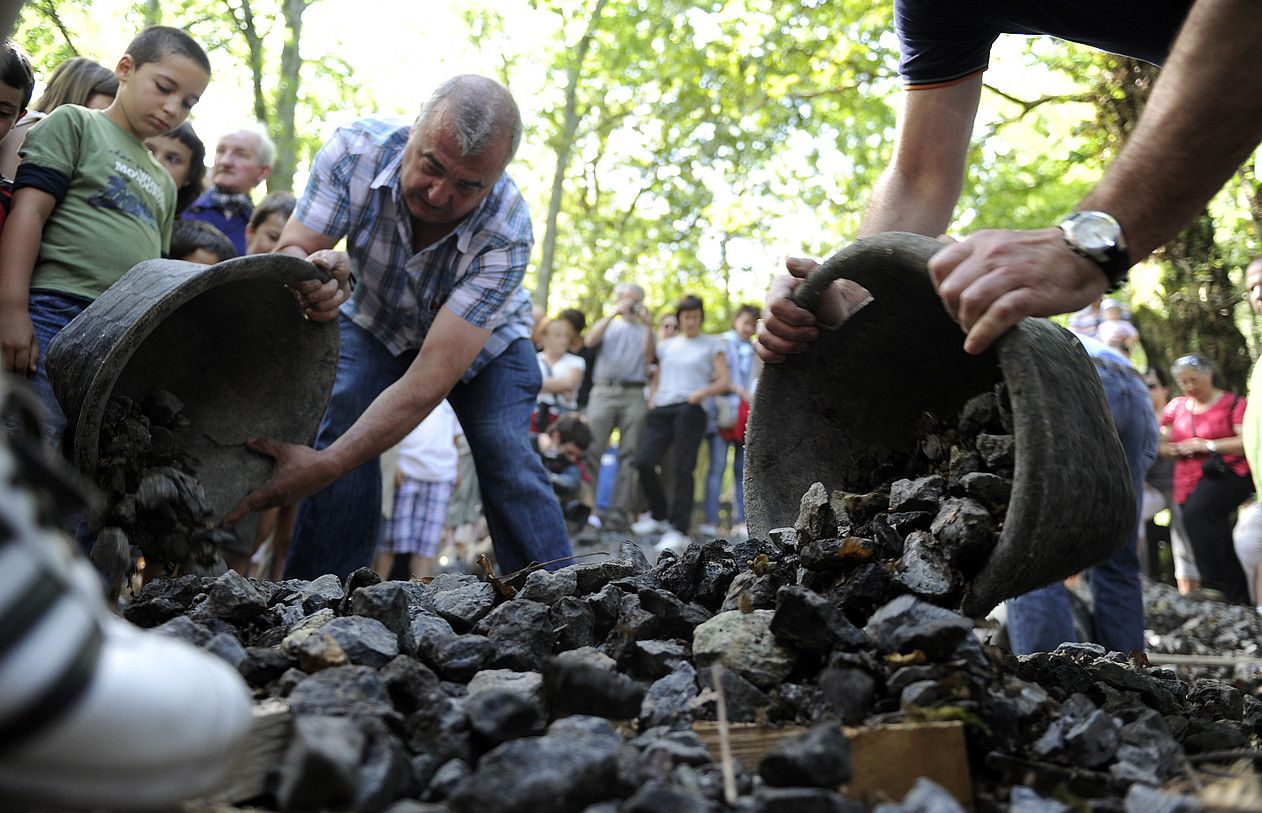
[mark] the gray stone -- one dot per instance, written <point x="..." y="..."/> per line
<point x="385" y="772"/>
<point x="997" y="450"/>
<point x="318" y="651"/>
<point x="462" y="605"/>
<point x="592" y="576"/>
<point x="907" y="624"/>
<point x="744" y="643"/>
<point x="499" y="715"/>
<point x="561" y="774"/>
<point x="987" y="488"/>
<point x="262" y="665"/>
<point x="521" y="632"/>
<point x="677" y="748"/>
<point x="806" y="620"/>
<point x="835" y="553"/>
<point x="816" y="517"/>
<point x="233" y="598"/>
<point x="582" y="688"/>
<point x="655" y="659"/>
<point x="666" y="701"/>
<point x="921" y="494"/>
<point x="388" y="603"/>
<point x="526" y="684"/>
<point x="589" y="655"/>
<point x="656" y="796"/>
<point x="410" y="684"/>
<point x="1093" y="741"/>
<point x="923" y="568"/>
<point x="366" y="641"/>
<point x="820" y="758"/>
<point x="341" y="691"/>
<point x="461" y="657"/>
<point x="186" y="629"/>
<point x="320" y="769"/>
<point x="965" y="530"/>
<point x="227" y="647"/>
<point x="745" y="702"/>
<point x="448" y="776"/>
<point x="848" y="692"/>
<point x="321" y="593"/>
<point x="926" y="796"/>
<point x="548" y="586"/>
<point x="633" y="555"/>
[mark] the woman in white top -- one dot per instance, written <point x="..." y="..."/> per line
<point x="691" y="367"/>
<point x="562" y="373"/>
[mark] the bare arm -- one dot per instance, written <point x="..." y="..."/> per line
<point x="1203" y="118"/>
<point x="450" y="347"/>
<point x="916" y="193"/>
<point x="919" y="189"/>
<point x="19" y="248"/>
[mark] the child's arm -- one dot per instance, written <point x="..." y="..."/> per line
<point x="19" y="247"/>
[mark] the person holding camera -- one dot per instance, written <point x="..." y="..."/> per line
<point x="1201" y="430"/>
<point x="623" y="340"/>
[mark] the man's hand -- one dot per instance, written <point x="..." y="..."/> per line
<point x="18" y="345"/>
<point x="994" y="279"/>
<point x="320" y="300"/>
<point x="786" y="329"/>
<point x="300" y="472"/>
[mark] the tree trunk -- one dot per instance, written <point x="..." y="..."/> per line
<point x="564" y="147"/>
<point x="283" y="130"/>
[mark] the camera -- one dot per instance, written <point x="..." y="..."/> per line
<point x="637" y="308"/>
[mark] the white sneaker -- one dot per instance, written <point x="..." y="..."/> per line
<point x="649" y="526"/>
<point x="739" y="532"/>
<point x="673" y="541"/>
<point x="708" y="531"/>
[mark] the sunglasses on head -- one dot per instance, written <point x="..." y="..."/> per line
<point x="1198" y="362"/>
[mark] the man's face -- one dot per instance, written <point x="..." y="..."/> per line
<point x="439" y="184"/>
<point x="237" y="168"/>
<point x="1253" y="282"/>
<point x="10" y="107"/>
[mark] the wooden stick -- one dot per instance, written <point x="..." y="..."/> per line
<point x="1162" y="658"/>
<point x="725" y="743"/>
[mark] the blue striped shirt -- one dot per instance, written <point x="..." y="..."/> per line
<point x="475" y="272"/>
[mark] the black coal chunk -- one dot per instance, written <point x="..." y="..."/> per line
<point x="820" y="758"/>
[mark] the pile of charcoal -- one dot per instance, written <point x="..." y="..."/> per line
<point x="154" y="502"/>
<point x="578" y="689"/>
<point x="929" y="527"/>
<point x="1207" y="631"/>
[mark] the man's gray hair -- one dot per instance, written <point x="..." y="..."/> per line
<point x="266" y="152"/>
<point x="627" y="287"/>
<point x="477" y="111"/>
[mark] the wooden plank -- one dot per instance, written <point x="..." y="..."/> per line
<point x="246" y="774"/>
<point x="887" y="759"/>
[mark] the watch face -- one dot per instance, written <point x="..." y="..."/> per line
<point x="1095" y="233"/>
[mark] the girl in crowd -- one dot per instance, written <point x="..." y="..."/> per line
<point x="184" y="156"/>
<point x="692" y="366"/>
<point x="76" y="81"/>
<point x="1201" y="431"/>
<point x="562" y="373"/>
<point x="728" y="412"/>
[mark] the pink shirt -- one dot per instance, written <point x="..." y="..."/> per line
<point x="1212" y="424"/>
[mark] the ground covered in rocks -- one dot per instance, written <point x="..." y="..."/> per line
<point x="576" y="690"/>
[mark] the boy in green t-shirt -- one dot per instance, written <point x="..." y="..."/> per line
<point x="90" y="201"/>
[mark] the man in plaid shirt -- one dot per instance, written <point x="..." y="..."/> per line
<point x="437" y="237"/>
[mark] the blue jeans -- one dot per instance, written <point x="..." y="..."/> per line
<point x="50" y="312"/>
<point x="1041" y="620"/>
<point x="714" y="479"/>
<point x="338" y="528"/>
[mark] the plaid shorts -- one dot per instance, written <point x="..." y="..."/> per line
<point x="420" y="512"/>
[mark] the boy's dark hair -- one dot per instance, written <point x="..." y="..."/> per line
<point x="752" y="310"/>
<point x="689" y="302"/>
<point x="158" y="41"/>
<point x="277" y="203"/>
<point x="571" y="428"/>
<point x="575" y="317"/>
<point x="188" y="193"/>
<point x="15" y="71"/>
<point x="189" y="235"/>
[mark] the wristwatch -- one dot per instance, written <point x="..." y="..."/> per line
<point x="1098" y="237"/>
<point x="1212" y="446"/>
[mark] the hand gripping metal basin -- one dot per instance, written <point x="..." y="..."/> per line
<point x="838" y="411"/>
<point x="228" y="340"/>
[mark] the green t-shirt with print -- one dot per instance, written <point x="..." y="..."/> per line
<point x="1252" y="430"/>
<point x="118" y="207"/>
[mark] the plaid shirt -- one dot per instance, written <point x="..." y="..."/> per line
<point x="476" y="271"/>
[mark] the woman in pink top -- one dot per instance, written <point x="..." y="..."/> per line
<point x="1201" y="431"/>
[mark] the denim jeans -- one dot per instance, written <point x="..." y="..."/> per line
<point x="714" y="479"/>
<point x="50" y="312"/>
<point x="338" y="528"/>
<point x="1041" y="620"/>
<point x="678" y="429"/>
